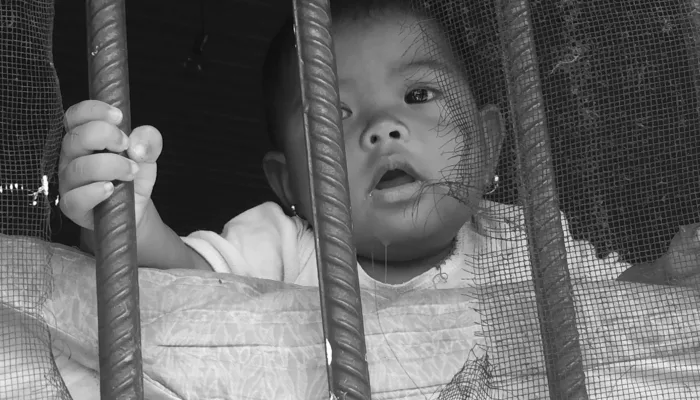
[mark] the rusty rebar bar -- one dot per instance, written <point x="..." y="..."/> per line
<point x="553" y="289"/>
<point x="121" y="374"/>
<point x="348" y="372"/>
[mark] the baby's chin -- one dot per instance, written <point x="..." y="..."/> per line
<point x="423" y="228"/>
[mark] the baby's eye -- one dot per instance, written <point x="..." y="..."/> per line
<point x="345" y="112"/>
<point x="422" y="95"/>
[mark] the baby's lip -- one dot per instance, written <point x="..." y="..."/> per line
<point x="389" y="164"/>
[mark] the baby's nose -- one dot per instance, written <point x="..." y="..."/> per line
<point x="383" y="133"/>
<point x="376" y="137"/>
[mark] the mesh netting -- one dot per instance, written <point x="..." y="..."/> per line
<point x="618" y="107"/>
<point x="598" y="104"/>
<point x="31" y="125"/>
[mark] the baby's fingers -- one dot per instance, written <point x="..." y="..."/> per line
<point x="91" y="137"/>
<point x="145" y="144"/>
<point x="99" y="167"/>
<point x="91" y="110"/>
<point x="78" y="204"/>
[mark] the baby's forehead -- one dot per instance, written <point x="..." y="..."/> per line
<point x="398" y="44"/>
<point x="394" y="45"/>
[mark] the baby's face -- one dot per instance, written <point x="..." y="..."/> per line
<point x="401" y="141"/>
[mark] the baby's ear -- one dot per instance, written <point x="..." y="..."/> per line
<point x="277" y="174"/>
<point x="494" y="132"/>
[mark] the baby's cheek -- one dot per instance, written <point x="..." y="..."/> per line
<point x="443" y="215"/>
<point x="356" y="180"/>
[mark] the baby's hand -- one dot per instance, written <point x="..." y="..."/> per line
<point x="85" y="176"/>
<point x="682" y="261"/>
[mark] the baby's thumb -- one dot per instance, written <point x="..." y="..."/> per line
<point x="145" y="144"/>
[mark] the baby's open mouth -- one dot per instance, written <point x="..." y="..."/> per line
<point x="394" y="178"/>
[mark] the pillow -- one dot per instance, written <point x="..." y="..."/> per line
<point x="216" y="336"/>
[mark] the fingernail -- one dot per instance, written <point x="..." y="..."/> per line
<point x="116" y="115"/>
<point x="134" y="168"/>
<point x="140" y="150"/>
<point x="125" y="141"/>
<point x="109" y="188"/>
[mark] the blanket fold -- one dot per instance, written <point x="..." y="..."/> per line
<point x="216" y="336"/>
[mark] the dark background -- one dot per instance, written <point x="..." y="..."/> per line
<point x="211" y="120"/>
<point x="622" y="120"/>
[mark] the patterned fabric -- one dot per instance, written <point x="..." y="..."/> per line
<point x="220" y="336"/>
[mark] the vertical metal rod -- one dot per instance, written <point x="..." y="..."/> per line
<point x="339" y="287"/>
<point x="121" y="376"/>
<point x="545" y="234"/>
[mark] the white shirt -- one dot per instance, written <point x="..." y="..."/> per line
<point x="264" y="242"/>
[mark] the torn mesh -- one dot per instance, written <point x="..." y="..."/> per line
<point x="31" y="125"/>
<point x="619" y="90"/>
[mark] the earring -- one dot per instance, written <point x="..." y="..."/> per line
<point x="494" y="186"/>
<point x="293" y="208"/>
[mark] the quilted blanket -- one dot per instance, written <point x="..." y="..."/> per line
<point x="215" y="336"/>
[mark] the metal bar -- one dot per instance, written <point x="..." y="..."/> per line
<point x="348" y="372"/>
<point x="554" y="293"/>
<point x="121" y="374"/>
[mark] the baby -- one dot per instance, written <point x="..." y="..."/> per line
<point x="403" y="146"/>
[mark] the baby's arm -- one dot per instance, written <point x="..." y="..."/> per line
<point x="158" y="246"/>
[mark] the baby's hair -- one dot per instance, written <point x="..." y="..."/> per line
<point x="474" y="38"/>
